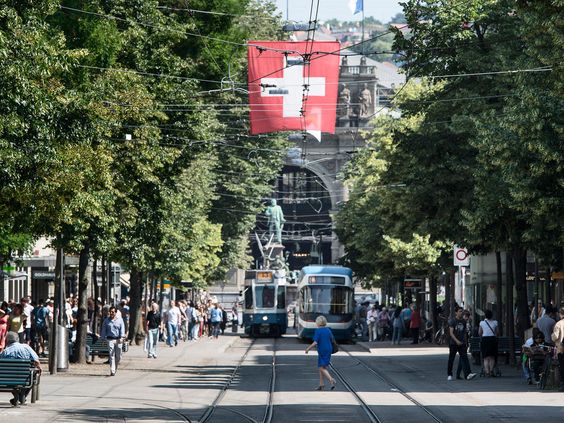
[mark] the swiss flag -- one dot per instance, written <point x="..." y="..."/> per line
<point x="278" y="74"/>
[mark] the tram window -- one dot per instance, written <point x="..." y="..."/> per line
<point x="326" y="300"/>
<point x="248" y="298"/>
<point x="264" y="296"/>
<point x="281" y="298"/>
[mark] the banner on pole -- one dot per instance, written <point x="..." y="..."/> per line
<point x="293" y="85"/>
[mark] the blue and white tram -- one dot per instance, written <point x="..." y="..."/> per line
<point x="327" y="291"/>
<point x="264" y="312"/>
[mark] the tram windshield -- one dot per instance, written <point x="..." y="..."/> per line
<point x="326" y="299"/>
<point x="264" y="296"/>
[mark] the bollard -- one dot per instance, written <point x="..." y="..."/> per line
<point x="62" y="349"/>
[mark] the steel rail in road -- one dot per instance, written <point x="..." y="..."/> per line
<point x="208" y="414"/>
<point x="271" y="387"/>
<point x="365" y="407"/>
<point x="395" y="387"/>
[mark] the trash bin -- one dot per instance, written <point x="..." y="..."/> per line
<point x="62" y="348"/>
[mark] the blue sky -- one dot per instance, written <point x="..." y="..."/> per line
<point x="382" y="10"/>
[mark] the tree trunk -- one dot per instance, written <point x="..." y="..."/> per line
<point x="520" y="260"/>
<point x="433" y="304"/>
<point x="104" y="281"/>
<point x="452" y="284"/>
<point x="510" y="320"/>
<point x="82" y="323"/>
<point x="446" y="304"/>
<point x="135" y="291"/>
<point x="499" y="293"/>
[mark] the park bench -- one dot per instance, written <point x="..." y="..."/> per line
<point x="503" y="347"/>
<point x="97" y="346"/>
<point x="19" y="374"/>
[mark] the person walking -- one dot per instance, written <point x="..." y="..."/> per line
<point x="372" y="317"/>
<point x="113" y="330"/>
<point x="152" y="326"/>
<point x="397" y="326"/>
<point x="323" y="340"/>
<point x="558" y="339"/>
<point x="172" y="317"/>
<point x="362" y="319"/>
<point x="458" y="344"/>
<point x="17" y="350"/>
<point x="414" y="324"/>
<point x="4" y="316"/>
<point x="216" y="317"/>
<point x="489" y="332"/>
<point x="406" y="316"/>
<point x="17" y="322"/>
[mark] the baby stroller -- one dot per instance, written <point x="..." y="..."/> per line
<point x="488" y="348"/>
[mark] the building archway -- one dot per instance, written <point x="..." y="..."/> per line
<point x="308" y="203"/>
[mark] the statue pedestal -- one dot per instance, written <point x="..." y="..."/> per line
<point x="274" y="250"/>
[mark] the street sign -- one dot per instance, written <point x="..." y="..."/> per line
<point x="413" y="283"/>
<point x="461" y="256"/>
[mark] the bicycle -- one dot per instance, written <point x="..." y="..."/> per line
<point x="546" y="367"/>
<point x="441" y="337"/>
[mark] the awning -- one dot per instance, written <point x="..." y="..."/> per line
<point x="13" y="275"/>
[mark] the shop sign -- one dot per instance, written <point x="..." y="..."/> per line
<point x="43" y="275"/>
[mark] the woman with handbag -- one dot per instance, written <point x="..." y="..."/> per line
<point x="323" y="339"/>
<point x="488" y="344"/>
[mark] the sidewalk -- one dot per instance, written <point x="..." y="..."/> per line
<point x="143" y="389"/>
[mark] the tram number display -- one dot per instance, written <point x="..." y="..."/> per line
<point x="264" y="276"/>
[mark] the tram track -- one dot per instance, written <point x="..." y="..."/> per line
<point x="207" y="416"/>
<point x="392" y="385"/>
<point x="372" y="416"/>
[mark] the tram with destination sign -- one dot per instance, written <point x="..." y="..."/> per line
<point x="327" y="291"/>
<point x="264" y="308"/>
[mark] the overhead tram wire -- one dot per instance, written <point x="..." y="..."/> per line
<point x="165" y="28"/>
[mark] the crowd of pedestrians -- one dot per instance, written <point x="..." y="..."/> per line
<point x="189" y="321"/>
<point x="380" y="323"/>
<point x="28" y="320"/>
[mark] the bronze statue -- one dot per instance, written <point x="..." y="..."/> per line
<point x="275" y="220"/>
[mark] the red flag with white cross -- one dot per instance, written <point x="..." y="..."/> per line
<point x="293" y="85"/>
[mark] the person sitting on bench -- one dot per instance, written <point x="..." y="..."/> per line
<point x="19" y="351"/>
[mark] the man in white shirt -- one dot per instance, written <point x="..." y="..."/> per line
<point x="372" y="317"/>
<point x="172" y="317"/>
<point x="27" y="311"/>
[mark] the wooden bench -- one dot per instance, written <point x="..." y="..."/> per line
<point x="98" y="348"/>
<point x="19" y="374"/>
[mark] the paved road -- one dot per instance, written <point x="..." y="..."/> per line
<point x="184" y="381"/>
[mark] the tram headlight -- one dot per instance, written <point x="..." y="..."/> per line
<point x="265" y="318"/>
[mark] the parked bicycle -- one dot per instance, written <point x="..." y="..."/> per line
<point x="441" y="335"/>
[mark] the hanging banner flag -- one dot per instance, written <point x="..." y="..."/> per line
<point x="293" y="85"/>
<point x="356" y="6"/>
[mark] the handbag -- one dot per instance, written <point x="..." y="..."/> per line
<point x="125" y="346"/>
<point x="335" y="346"/>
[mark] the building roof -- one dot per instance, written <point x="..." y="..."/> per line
<point x="386" y="72"/>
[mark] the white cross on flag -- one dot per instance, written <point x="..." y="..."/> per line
<point x="278" y="75"/>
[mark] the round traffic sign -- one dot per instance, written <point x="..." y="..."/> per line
<point x="461" y="254"/>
